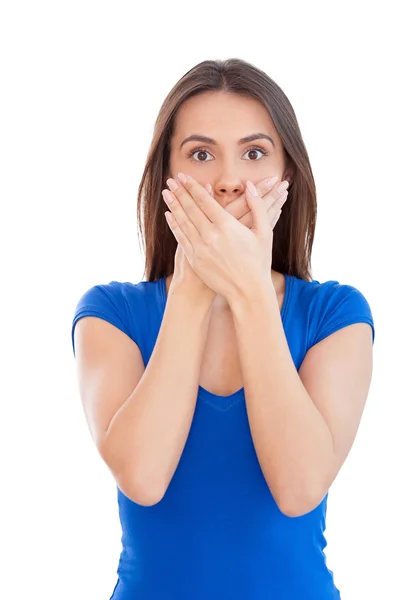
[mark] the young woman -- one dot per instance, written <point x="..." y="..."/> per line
<point x="225" y="390"/>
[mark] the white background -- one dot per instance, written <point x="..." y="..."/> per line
<point x="81" y="85"/>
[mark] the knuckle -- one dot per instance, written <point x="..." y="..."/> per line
<point x="210" y="237"/>
<point x="185" y="223"/>
<point x="202" y="198"/>
<point x="178" y="192"/>
<point x="199" y="256"/>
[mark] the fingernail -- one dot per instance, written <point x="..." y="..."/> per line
<point x="172" y="184"/>
<point x="167" y="196"/>
<point x="282" y="186"/>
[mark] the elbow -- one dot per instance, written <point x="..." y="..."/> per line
<point x="290" y="510"/>
<point x="296" y="504"/>
<point x="138" y="489"/>
<point x="141" y="489"/>
<point x="139" y="492"/>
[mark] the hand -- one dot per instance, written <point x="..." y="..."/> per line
<point x="239" y="208"/>
<point x="184" y="278"/>
<point x="227" y="256"/>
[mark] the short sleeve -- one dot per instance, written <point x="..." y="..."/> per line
<point x="341" y="305"/>
<point x="105" y="302"/>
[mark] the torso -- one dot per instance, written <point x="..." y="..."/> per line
<point x="220" y="368"/>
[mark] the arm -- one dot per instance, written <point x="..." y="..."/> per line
<point x="301" y="440"/>
<point x="146" y="436"/>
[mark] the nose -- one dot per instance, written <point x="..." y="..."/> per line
<point x="227" y="191"/>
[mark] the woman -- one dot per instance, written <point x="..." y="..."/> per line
<point x="222" y="494"/>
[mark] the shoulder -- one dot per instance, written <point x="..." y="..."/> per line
<point x="106" y="297"/>
<point x="119" y="294"/>
<point x="123" y="304"/>
<point x="331" y="305"/>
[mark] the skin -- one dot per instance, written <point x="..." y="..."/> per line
<point x="226" y="165"/>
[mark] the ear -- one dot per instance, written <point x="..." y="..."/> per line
<point x="289" y="175"/>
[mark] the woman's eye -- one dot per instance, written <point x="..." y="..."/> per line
<point x="253" y="150"/>
<point x="198" y="151"/>
<point x="203" y="152"/>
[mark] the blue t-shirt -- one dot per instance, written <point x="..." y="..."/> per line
<point x="218" y="534"/>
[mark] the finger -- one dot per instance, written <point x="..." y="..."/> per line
<point x="239" y="207"/>
<point x="271" y="189"/>
<point x="265" y="185"/>
<point x="276" y="193"/>
<point x="209" y="189"/>
<point x="275" y="219"/>
<point x="182" y="220"/>
<point x="276" y="208"/>
<point x="190" y="207"/>
<point x="236" y="208"/>
<point x="181" y="238"/>
<point x="192" y="190"/>
<point x="246" y="220"/>
<point x="274" y="213"/>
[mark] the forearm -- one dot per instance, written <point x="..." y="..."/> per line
<point x="292" y="439"/>
<point x="147" y="435"/>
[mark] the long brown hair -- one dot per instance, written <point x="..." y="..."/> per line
<point x="293" y="233"/>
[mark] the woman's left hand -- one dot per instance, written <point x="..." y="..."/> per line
<point x="229" y="258"/>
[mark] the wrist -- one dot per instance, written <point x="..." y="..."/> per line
<point x="198" y="298"/>
<point x="258" y="293"/>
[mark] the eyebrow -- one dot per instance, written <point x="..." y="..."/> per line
<point x="207" y="140"/>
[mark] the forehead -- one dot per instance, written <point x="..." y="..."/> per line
<point x="212" y="112"/>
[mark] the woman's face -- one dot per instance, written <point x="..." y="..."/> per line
<point x="225" y="160"/>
